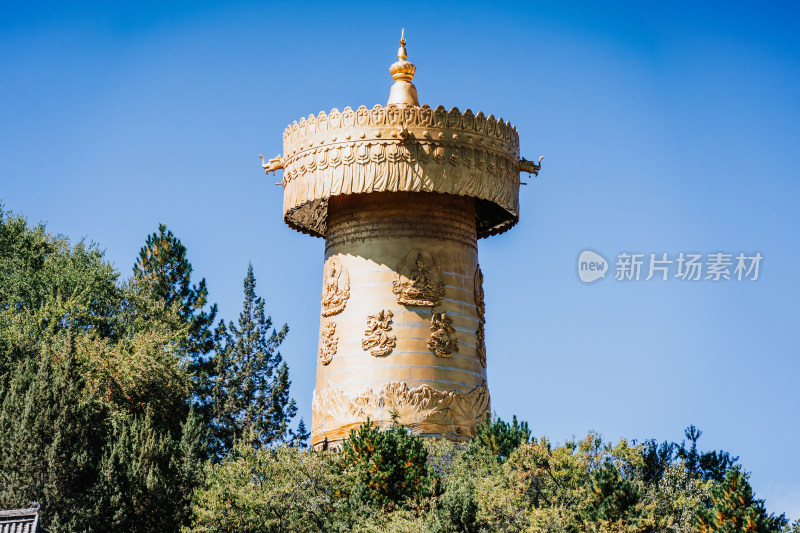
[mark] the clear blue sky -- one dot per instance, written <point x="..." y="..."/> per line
<point x="665" y="127"/>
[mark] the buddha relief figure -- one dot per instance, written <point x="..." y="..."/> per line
<point x="328" y="343"/>
<point x="480" y="309"/>
<point x="443" y="340"/>
<point x="336" y="288"/>
<point x="418" y="280"/>
<point x="480" y="306"/>
<point x="480" y="348"/>
<point x="376" y="337"/>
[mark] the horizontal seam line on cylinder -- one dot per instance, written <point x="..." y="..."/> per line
<point x="406" y="380"/>
<point x="427" y="367"/>
<point x="357" y="343"/>
<point x="426" y="323"/>
<point x="361" y="353"/>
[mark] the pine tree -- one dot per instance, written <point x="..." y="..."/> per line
<point x="302" y="435"/>
<point x="657" y="458"/>
<point x="612" y="499"/>
<point x="163" y="265"/>
<point x="499" y="437"/>
<point x="250" y="395"/>
<point x="706" y="465"/>
<point x="733" y="508"/>
<point x="385" y="468"/>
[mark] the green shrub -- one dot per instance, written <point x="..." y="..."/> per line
<point x="386" y="468"/>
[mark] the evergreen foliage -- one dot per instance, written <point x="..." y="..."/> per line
<point x="301" y="435"/>
<point x="501" y="438"/>
<point x="580" y="486"/>
<point x="249" y="400"/>
<point x="733" y="508"/>
<point x="458" y="511"/>
<point x="386" y="468"/>
<point x="707" y="465"/>
<point x="267" y="489"/>
<point x="113" y="418"/>
<point x="657" y="458"/>
<point x="95" y="419"/>
<point x="147" y="476"/>
<point x="613" y="499"/>
<point x="710" y="465"/>
<point x="48" y="287"/>
<point x="51" y="440"/>
<point x="163" y="267"/>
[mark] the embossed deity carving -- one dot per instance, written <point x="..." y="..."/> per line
<point x="480" y="306"/>
<point x="376" y="337"/>
<point x="336" y="288"/>
<point x="418" y="281"/>
<point x="443" y="340"/>
<point x="328" y="342"/>
<point x="480" y="345"/>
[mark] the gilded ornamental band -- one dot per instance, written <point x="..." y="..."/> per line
<point x="388" y="121"/>
<point x="393" y="148"/>
<point x="424" y="409"/>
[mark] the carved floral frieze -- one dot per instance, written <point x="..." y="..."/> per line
<point x="423" y="409"/>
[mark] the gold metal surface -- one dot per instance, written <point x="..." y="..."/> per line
<point x="530" y="166"/>
<point x="401" y="193"/>
<point x="412" y="149"/>
<point x="276" y="163"/>
<point x="403" y="92"/>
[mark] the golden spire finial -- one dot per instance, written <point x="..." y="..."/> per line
<point x="403" y="91"/>
<point x="401" y="52"/>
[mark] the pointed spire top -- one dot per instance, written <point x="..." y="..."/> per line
<point x="401" y="52"/>
<point x="403" y="91"/>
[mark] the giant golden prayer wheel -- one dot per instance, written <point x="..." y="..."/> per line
<point x="401" y="194"/>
